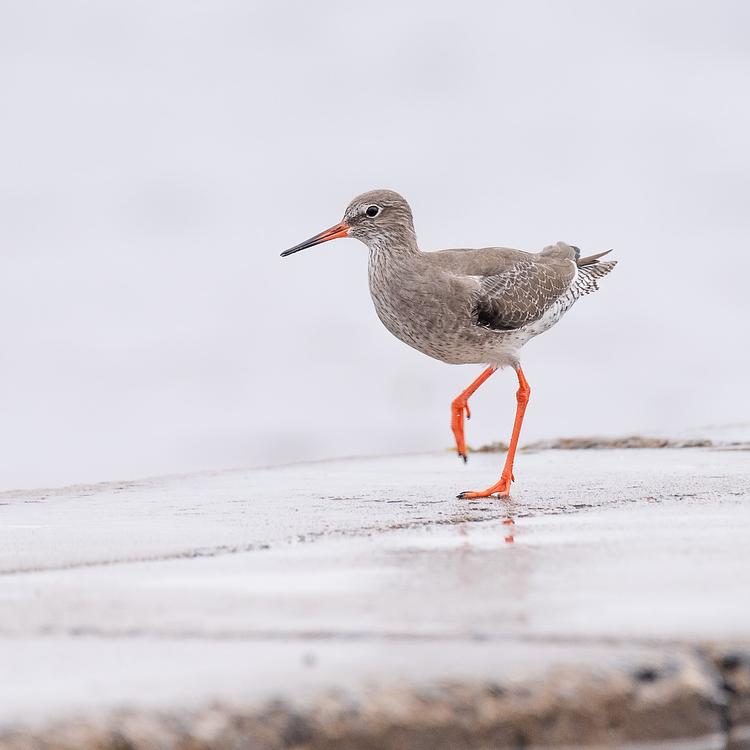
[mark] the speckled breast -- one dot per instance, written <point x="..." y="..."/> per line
<point x="423" y="314"/>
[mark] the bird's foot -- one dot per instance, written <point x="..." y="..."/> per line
<point x="458" y="408"/>
<point x="501" y="488"/>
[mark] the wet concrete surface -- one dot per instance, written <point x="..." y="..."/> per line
<point x="358" y="603"/>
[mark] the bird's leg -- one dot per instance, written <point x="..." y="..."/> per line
<point x="502" y="487"/>
<point x="460" y="405"/>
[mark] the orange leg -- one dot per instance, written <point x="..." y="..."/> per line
<point x="460" y="405"/>
<point x="502" y="487"/>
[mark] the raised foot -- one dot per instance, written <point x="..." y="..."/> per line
<point x="501" y="488"/>
<point x="458" y="407"/>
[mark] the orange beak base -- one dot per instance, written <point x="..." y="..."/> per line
<point x="340" y="230"/>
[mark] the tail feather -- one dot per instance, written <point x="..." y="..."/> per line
<point x="588" y="276"/>
<point x="591" y="259"/>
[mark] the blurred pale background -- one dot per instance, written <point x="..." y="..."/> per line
<point x="155" y="158"/>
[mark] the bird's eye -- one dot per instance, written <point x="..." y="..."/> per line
<point x="372" y="211"/>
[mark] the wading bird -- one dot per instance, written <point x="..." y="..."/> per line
<point x="464" y="306"/>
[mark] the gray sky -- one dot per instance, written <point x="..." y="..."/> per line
<point x="155" y="157"/>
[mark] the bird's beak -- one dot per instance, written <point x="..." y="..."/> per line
<point x="340" y="230"/>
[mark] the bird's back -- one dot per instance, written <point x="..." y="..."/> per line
<point x="492" y="261"/>
<point x="484" y="261"/>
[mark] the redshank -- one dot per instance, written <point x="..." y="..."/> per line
<point x="464" y="306"/>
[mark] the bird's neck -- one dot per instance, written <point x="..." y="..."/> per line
<point x="393" y="247"/>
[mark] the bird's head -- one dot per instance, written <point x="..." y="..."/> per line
<point x="377" y="218"/>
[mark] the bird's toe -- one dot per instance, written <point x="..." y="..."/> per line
<point x="501" y="490"/>
<point x="468" y="495"/>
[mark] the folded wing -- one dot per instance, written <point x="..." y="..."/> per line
<point x="523" y="293"/>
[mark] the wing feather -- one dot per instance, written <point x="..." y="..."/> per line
<point x="522" y="294"/>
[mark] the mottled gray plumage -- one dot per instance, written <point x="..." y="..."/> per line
<point x="464" y="306"/>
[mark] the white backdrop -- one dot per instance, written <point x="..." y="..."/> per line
<point x="155" y="157"/>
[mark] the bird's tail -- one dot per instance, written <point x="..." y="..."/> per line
<point x="590" y="270"/>
<point x="590" y="260"/>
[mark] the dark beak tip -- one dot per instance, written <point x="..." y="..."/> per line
<point x="340" y="230"/>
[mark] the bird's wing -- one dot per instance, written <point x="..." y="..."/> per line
<point x="521" y="294"/>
